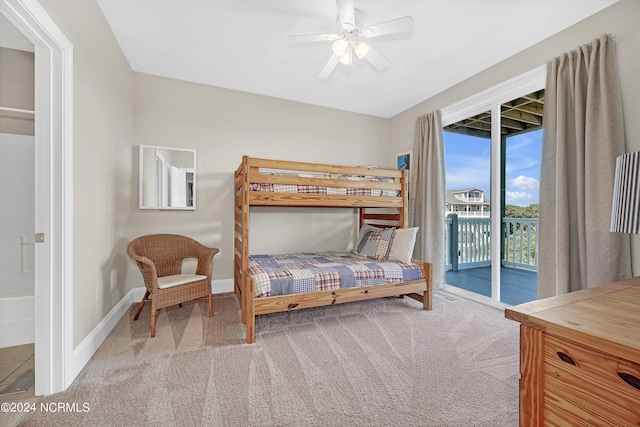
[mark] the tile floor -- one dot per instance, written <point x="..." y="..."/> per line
<point x="14" y="361"/>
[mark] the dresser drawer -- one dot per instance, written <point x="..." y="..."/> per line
<point x="590" y="398"/>
<point x="622" y="372"/>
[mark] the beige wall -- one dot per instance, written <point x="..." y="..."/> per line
<point x="17" y="89"/>
<point x="620" y="19"/>
<point x="223" y="125"/>
<point x="102" y="156"/>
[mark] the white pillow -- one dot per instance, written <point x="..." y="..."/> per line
<point x="403" y="243"/>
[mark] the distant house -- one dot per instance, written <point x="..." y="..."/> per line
<point x="470" y="202"/>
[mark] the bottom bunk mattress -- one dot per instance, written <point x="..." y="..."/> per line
<point x="298" y="273"/>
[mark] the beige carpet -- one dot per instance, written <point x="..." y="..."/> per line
<point x="383" y="362"/>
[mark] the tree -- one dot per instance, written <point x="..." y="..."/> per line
<point x="513" y="211"/>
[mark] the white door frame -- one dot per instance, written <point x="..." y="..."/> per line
<point x="54" y="193"/>
<point x="490" y="100"/>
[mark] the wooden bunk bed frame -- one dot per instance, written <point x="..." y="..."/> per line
<point x="249" y="172"/>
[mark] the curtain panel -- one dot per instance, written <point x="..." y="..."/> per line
<point x="427" y="194"/>
<point x="583" y="134"/>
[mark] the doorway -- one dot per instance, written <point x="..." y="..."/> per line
<point x="493" y="145"/>
<point x="17" y="218"/>
<point x="53" y="194"/>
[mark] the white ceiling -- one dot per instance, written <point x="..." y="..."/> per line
<point x="242" y="44"/>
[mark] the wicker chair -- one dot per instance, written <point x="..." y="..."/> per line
<point x="159" y="257"/>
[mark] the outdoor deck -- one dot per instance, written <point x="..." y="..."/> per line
<point x="517" y="285"/>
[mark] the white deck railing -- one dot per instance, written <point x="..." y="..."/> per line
<point x="518" y="236"/>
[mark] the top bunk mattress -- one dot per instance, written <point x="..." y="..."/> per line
<point x="320" y="189"/>
<point x="298" y="273"/>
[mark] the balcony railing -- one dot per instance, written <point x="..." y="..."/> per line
<point x="469" y="242"/>
<point x="462" y="214"/>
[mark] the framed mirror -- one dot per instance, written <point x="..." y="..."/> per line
<point x="167" y="178"/>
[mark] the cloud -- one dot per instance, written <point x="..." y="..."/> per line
<point x="523" y="151"/>
<point x="523" y="142"/>
<point x="526" y="183"/>
<point x="519" y="198"/>
<point x="460" y="180"/>
<point x="468" y="171"/>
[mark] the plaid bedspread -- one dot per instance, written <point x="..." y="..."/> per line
<point x="297" y="273"/>
<point x="318" y="189"/>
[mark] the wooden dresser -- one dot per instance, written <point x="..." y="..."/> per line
<point x="580" y="357"/>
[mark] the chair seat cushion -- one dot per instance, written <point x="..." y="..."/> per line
<point x="178" y="279"/>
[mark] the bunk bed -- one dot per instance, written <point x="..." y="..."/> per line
<point x="380" y="197"/>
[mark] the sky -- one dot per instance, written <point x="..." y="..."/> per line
<point x="468" y="160"/>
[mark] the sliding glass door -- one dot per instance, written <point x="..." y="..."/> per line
<point x="468" y="214"/>
<point x="492" y="156"/>
<point x="520" y="146"/>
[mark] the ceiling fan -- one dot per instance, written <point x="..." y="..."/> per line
<point x="351" y="36"/>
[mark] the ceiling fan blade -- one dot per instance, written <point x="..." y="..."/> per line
<point x="311" y="38"/>
<point x="346" y="15"/>
<point x="329" y="67"/>
<point x="376" y="59"/>
<point x="389" y="27"/>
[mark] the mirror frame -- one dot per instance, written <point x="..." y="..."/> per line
<point x="141" y="179"/>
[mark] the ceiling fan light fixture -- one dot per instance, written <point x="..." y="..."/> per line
<point x="347" y="57"/>
<point x="361" y="49"/>
<point x="349" y="40"/>
<point x="340" y="46"/>
<point x="366" y="32"/>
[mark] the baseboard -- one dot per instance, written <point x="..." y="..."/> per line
<point x="17" y="332"/>
<point x="87" y="348"/>
<point x="17" y="321"/>
<point x="222" y="286"/>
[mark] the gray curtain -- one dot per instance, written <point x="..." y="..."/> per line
<point x="427" y="194"/>
<point x="583" y="134"/>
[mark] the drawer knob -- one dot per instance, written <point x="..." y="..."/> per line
<point x="632" y="380"/>
<point x="566" y="358"/>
